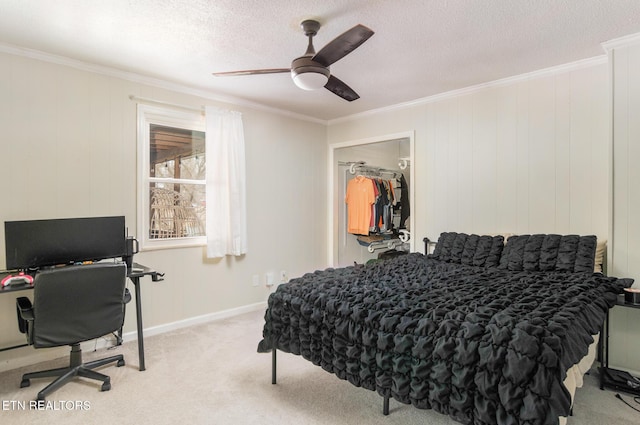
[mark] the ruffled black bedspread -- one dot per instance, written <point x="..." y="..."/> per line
<point x="483" y="345"/>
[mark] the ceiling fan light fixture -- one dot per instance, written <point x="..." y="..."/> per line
<point x="310" y="80"/>
<point x="308" y="74"/>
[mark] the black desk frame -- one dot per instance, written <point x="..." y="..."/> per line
<point x="603" y="348"/>
<point x="137" y="272"/>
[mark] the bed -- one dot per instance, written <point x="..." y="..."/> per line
<point x="484" y="331"/>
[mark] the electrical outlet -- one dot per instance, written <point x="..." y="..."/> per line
<point x="269" y="279"/>
<point x="255" y="280"/>
<point x="283" y="276"/>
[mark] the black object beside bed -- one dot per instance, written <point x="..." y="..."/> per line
<point x="479" y="330"/>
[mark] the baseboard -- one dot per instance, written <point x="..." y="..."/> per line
<point x="28" y="356"/>
<point x="192" y="321"/>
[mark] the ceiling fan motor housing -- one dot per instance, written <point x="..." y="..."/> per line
<point x="308" y="74"/>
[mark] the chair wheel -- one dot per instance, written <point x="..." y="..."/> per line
<point x="106" y="386"/>
<point x="25" y="383"/>
<point x="120" y="363"/>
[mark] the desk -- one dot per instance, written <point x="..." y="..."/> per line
<point x="137" y="272"/>
<point x="605" y="377"/>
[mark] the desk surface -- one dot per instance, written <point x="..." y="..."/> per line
<point x="137" y="271"/>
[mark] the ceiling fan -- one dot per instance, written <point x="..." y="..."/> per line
<point x="311" y="71"/>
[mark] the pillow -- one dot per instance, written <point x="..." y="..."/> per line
<point x="450" y="247"/>
<point x="532" y="252"/>
<point x="512" y="257"/>
<point x="570" y="253"/>
<point x="495" y="252"/>
<point x="586" y="253"/>
<point x="457" y="248"/>
<point x="469" y="250"/>
<point x="443" y="246"/>
<point x="483" y="248"/>
<point x="549" y="252"/>
<point x="472" y="250"/>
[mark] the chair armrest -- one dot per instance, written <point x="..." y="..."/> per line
<point x="24" y="310"/>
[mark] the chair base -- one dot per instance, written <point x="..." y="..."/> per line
<point x="76" y="368"/>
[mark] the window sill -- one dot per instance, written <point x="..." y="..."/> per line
<point x="154" y="245"/>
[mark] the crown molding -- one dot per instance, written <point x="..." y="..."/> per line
<point x="545" y="72"/>
<point x="205" y="94"/>
<point x="143" y="79"/>
<point x="625" y="41"/>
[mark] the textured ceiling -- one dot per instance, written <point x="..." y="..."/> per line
<point x="420" y="47"/>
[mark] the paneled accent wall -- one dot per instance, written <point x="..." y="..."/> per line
<point x="528" y="156"/>
<point x="624" y="57"/>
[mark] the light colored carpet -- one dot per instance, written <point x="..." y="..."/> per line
<point x="212" y="374"/>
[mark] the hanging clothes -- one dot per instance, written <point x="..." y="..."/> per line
<point x="374" y="215"/>
<point x="380" y="203"/>
<point x="371" y="201"/>
<point x="387" y="209"/>
<point x="405" y="210"/>
<point x="360" y="197"/>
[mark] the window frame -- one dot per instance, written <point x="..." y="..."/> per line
<point x="147" y="115"/>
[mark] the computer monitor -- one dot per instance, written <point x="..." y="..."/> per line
<point x="37" y="243"/>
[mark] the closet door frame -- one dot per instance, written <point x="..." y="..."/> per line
<point x="332" y="190"/>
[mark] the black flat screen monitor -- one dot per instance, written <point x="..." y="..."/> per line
<point x="38" y="243"/>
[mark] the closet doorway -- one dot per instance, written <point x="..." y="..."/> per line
<point x="388" y="158"/>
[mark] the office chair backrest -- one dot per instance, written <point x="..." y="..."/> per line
<point x="78" y="303"/>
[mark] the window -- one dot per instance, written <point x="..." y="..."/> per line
<point x="172" y="178"/>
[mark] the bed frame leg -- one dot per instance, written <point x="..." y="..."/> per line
<point x="385" y="405"/>
<point x="273" y="365"/>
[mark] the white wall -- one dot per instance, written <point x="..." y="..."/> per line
<point x="625" y="255"/>
<point x="69" y="148"/>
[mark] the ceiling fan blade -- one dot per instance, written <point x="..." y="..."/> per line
<point x="251" y="72"/>
<point x="342" y="45"/>
<point x="336" y="86"/>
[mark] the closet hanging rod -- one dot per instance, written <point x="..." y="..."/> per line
<point x="361" y="166"/>
<point x="371" y="170"/>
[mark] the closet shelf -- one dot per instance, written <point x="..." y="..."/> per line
<point x="391" y="241"/>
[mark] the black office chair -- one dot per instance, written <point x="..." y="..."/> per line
<point x="70" y="305"/>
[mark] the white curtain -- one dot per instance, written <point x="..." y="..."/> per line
<point x="226" y="184"/>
